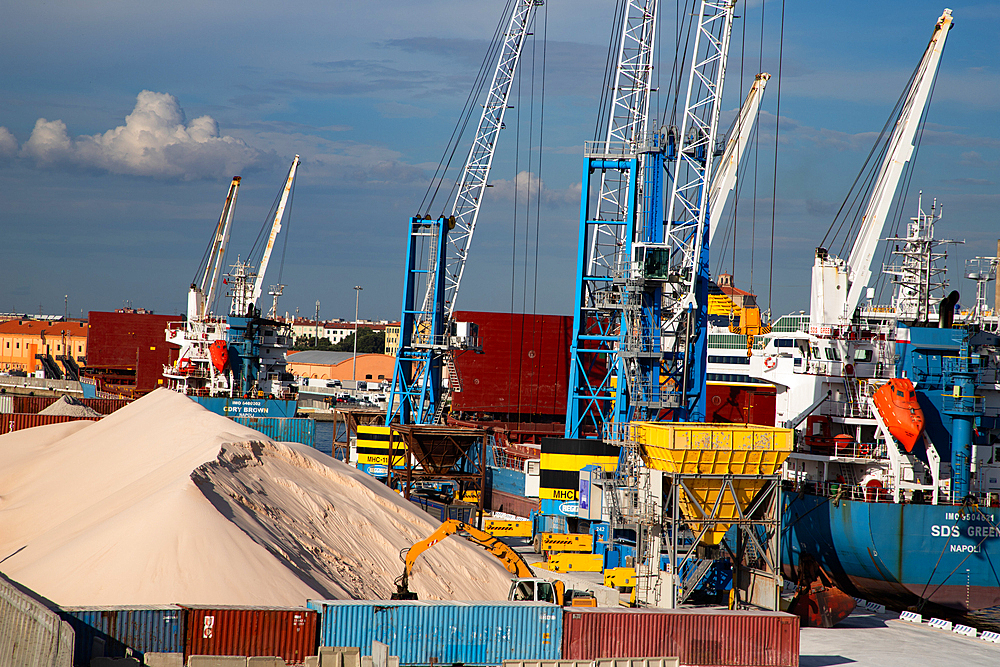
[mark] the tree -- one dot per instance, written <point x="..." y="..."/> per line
<point x="369" y="342"/>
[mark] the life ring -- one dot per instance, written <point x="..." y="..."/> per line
<point x="770" y="362"/>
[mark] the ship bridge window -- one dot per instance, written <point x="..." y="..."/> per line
<point x="863" y="355"/>
<point x="784" y="342"/>
<point x="831" y="353"/>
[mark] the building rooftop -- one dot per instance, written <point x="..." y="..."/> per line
<point x="321" y="357"/>
<point x="36" y="327"/>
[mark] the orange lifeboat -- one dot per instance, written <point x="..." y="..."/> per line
<point x="896" y="401"/>
<point x="219" y="353"/>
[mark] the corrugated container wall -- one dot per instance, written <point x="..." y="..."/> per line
<point x="119" y="629"/>
<point x="31" y="635"/>
<point x="523" y="368"/>
<point x="133" y="340"/>
<point x="422" y="633"/>
<point x="705" y="638"/>
<point x="35" y="404"/>
<point x="251" y="631"/>
<point x="6" y="404"/>
<point x="16" y="422"/>
<point x="282" y="429"/>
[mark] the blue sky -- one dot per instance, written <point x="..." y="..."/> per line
<point x="125" y="121"/>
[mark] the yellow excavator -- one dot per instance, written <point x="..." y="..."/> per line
<point x="525" y="586"/>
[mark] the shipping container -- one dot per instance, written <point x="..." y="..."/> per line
<point x="106" y="406"/>
<point x="282" y="429"/>
<point x="707" y="638"/>
<point x="35" y="404"/>
<point x="523" y="368"/>
<point x="32" y="404"/>
<point x="287" y="632"/>
<point x="31" y="634"/>
<point x="423" y="633"/>
<point x="16" y="422"/>
<point x="6" y="404"/>
<point x="119" y="631"/>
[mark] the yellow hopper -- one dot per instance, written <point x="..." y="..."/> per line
<point x="714" y="449"/>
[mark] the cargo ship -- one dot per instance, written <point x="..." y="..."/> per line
<point x="894" y="486"/>
<point x="234" y="365"/>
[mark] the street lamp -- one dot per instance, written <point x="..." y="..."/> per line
<point x="354" y="369"/>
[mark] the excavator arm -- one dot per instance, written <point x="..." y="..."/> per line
<point x="511" y="560"/>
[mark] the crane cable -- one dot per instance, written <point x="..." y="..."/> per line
<point x="451" y="148"/>
<point x="774" y="182"/>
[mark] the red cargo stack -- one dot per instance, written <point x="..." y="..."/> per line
<point x="706" y="638"/>
<point x="16" y="422"/>
<point x="523" y="368"/>
<point x="287" y="632"/>
<point x="129" y="350"/>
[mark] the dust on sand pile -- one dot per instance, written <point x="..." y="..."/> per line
<point x="70" y="407"/>
<point x="165" y="502"/>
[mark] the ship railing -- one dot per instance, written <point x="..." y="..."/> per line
<point x="852" y="409"/>
<point x="962" y="404"/>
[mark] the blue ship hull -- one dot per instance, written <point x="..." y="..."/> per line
<point x="247" y="407"/>
<point x="899" y="554"/>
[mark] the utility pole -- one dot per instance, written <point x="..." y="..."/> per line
<point x="354" y="369"/>
<point x="316" y="327"/>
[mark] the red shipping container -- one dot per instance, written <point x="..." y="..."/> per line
<point x="106" y="405"/>
<point x="523" y="368"/>
<point x="705" y="638"/>
<point x="35" y="404"/>
<point x="290" y="632"/>
<point x="15" y="422"/>
<point x="32" y="404"/>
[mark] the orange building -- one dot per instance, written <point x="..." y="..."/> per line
<point x="27" y="345"/>
<point x="340" y="365"/>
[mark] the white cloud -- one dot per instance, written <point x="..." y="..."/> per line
<point x="154" y="141"/>
<point x="8" y="144"/>
<point x="528" y="184"/>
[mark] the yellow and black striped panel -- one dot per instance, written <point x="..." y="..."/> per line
<point x="373" y="447"/>
<point x="562" y="460"/>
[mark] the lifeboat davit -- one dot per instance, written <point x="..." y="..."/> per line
<point x="896" y="401"/>
<point x="219" y="353"/>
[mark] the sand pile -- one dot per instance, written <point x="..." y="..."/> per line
<point x="165" y="502"/>
<point x="69" y="407"/>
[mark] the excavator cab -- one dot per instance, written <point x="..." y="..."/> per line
<point x="534" y="590"/>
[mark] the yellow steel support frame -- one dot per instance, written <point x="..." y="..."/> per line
<point x="756" y="552"/>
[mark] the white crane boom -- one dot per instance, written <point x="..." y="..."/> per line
<point x="900" y="149"/>
<point x="210" y="281"/>
<point x="724" y="179"/>
<point x="472" y="184"/>
<point x="275" y="228"/>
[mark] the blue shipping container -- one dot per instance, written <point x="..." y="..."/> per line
<point x="283" y="429"/>
<point x="473" y="633"/>
<point x="124" y="630"/>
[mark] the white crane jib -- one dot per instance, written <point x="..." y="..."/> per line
<point x="837" y="285"/>
<point x="473" y="181"/>
<point x="724" y="179"/>
<point x="275" y="228"/>
<point x="202" y="295"/>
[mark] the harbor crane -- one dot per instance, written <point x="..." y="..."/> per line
<point x="428" y="335"/>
